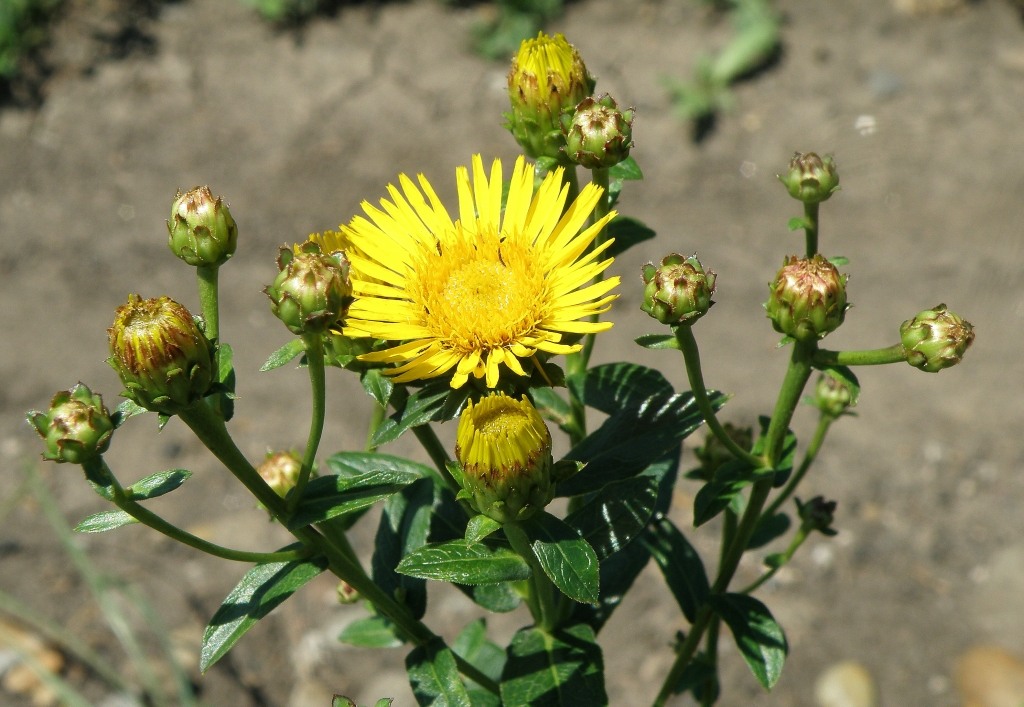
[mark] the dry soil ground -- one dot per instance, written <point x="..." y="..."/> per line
<point x="929" y="559"/>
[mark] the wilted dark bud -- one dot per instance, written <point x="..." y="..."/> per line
<point x="808" y="298"/>
<point x="504" y="448"/>
<point x="935" y="339"/>
<point x="598" y="134"/>
<point x="832" y="396"/>
<point x="817" y="514"/>
<point x="547" y="77"/>
<point x="201" y="230"/>
<point x="160" y="354"/>
<point x="811" y="179"/>
<point x="312" y="291"/>
<point x="679" y="291"/>
<point x="76" y="428"/>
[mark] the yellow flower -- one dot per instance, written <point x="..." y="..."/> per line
<point x="487" y="289"/>
<point x="505" y="451"/>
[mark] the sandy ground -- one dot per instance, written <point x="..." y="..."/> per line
<point x="930" y="557"/>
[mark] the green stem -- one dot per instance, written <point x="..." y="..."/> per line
<point x="207" y="277"/>
<point x="98" y="472"/>
<point x="866" y="357"/>
<point x="691" y="356"/>
<point x="542" y="592"/>
<point x="684" y="654"/>
<point x="798" y="540"/>
<point x="314" y="344"/>
<point x="824" y="422"/>
<point x="811" y="229"/>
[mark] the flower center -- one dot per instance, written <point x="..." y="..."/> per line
<point x="481" y="295"/>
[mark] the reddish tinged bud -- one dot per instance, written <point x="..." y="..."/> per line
<point x="598" y="134"/>
<point x="679" y="291"/>
<point x="935" y="339"/>
<point x="201" y="230"/>
<point x="808" y="298"/>
<point x="811" y="179"/>
<point x="76" y="428"/>
<point x="312" y="291"/>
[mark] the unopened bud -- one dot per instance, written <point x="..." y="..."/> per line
<point x="817" y="514"/>
<point x="163" y="359"/>
<point x="76" y="428"/>
<point x="832" y="396"/>
<point x="201" y="230"/>
<point x="811" y="179"/>
<point x="935" y="339"/>
<point x="281" y="471"/>
<point x="679" y="291"/>
<point x="713" y="453"/>
<point x="312" y="291"/>
<point x="808" y="298"/>
<point x="598" y="134"/>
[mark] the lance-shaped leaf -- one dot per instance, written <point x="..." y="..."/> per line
<point x="262" y="589"/>
<point x="333" y="496"/>
<point x="567" y="559"/>
<point x="560" y="669"/>
<point x="627" y="232"/>
<point x="356" y="463"/>
<point x="434" y="676"/>
<point x="473" y="646"/>
<point x="724" y="489"/>
<point x="104" y="520"/>
<point x="370" y="632"/>
<point x="158" y="484"/>
<point x="464" y="563"/>
<point x="680" y="565"/>
<point x="378" y="385"/>
<point x="759" y="638"/>
<point x="616" y="514"/>
<point x="435" y="401"/>
<point x="404" y="526"/>
<point x="284" y="354"/>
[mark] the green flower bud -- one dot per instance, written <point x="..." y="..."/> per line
<point x="598" y="134"/>
<point x="547" y="77"/>
<point x="713" y="453"/>
<point x="817" y="514"/>
<point x="811" y="179"/>
<point x="201" y="230"/>
<point x="936" y="339"/>
<point x="312" y="291"/>
<point x="281" y="471"/>
<point x="679" y="291"/>
<point x="504" y="448"/>
<point x="808" y="298"/>
<point x="76" y="428"/>
<point x="346" y="593"/>
<point x="163" y="359"/>
<point x="832" y="396"/>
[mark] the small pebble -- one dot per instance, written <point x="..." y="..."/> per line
<point x="990" y="676"/>
<point x="845" y="684"/>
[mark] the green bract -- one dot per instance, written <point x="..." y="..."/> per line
<point x="679" y="291"/>
<point x="312" y="292"/>
<point x="201" y="230"/>
<point x="598" y="134"/>
<point x="77" y="427"/>
<point x="935" y="339"/>
<point x="163" y="359"/>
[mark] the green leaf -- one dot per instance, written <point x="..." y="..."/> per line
<point x="768" y="529"/>
<point x="658" y="342"/>
<point x="158" y="484"/>
<point x="611" y="518"/>
<point x="465" y="563"/>
<point x="378" y="385"/>
<point x="473" y="646"/>
<point x="839" y="260"/>
<point x="497" y="598"/>
<point x="759" y="638"/>
<point x="356" y="463"/>
<point x="434" y="676"/>
<point x="226" y="379"/>
<point x="370" y="632"/>
<point x="724" y="489"/>
<point x="680" y="565"/>
<point x="567" y="559"/>
<point x="560" y="669"/>
<point x="552" y="406"/>
<point x="646" y="419"/>
<point x="125" y="411"/>
<point x="627" y="232"/>
<point x="480" y="527"/>
<point x="626" y="170"/>
<point x="332" y="496"/>
<point x="404" y="526"/>
<point x="283" y="355"/>
<point x="424" y="405"/>
<point x="105" y="520"/>
<point x="259" y="592"/>
<point x="798" y="222"/>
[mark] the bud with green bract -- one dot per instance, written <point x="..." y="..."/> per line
<point x="807" y="300"/>
<point x="811" y="179"/>
<point x="504" y="449"/>
<point x="547" y="77"/>
<point x="598" y="134"/>
<point x="935" y="339"/>
<point x="678" y="291"/>
<point x="77" y="427"/>
<point x="201" y="230"/>
<point x="832" y="396"/>
<point x="162" y="357"/>
<point x="312" y="292"/>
